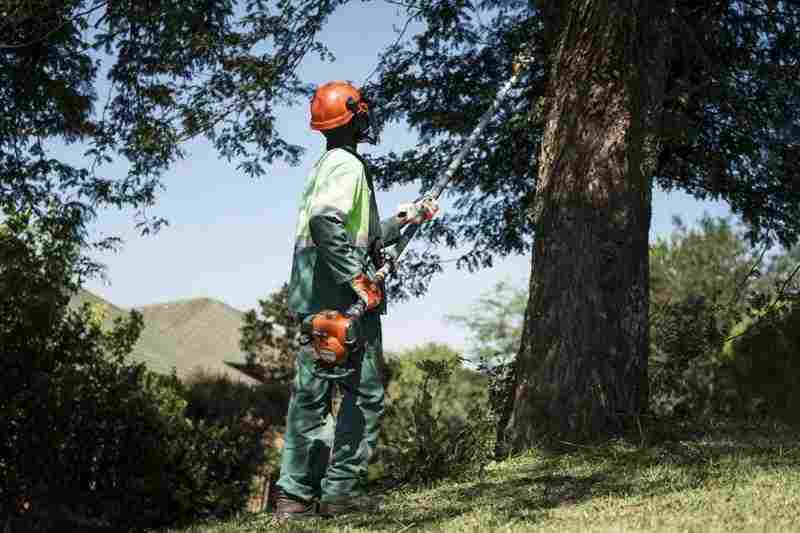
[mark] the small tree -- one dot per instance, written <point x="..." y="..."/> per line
<point x="707" y="289"/>
<point x="495" y="327"/>
<point x="494" y="324"/>
<point x="270" y="338"/>
<point x="436" y="421"/>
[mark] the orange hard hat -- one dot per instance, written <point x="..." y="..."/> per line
<point x="334" y="104"/>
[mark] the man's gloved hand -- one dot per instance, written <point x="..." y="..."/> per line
<point x="369" y="293"/>
<point x="418" y="212"/>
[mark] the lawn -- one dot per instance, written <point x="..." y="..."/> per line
<point x="742" y="478"/>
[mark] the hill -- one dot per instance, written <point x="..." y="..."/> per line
<point x="193" y="334"/>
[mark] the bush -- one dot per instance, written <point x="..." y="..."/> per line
<point x="219" y="399"/>
<point x="684" y="367"/>
<point x="91" y="440"/>
<point x="697" y="370"/>
<point x="437" y="422"/>
<point x="763" y="363"/>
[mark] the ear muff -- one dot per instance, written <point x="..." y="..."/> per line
<point x="363" y="120"/>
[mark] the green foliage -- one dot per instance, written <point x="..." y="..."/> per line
<point x="90" y="439"/>
<point x="270" y="338"/>
<point x="134" y="81"/>
<point x="711" y="260"/>
<point x="96" y="440"/>
<point x="698" y="279"/>
<point x="763" y="362"/>
<point x="437" y="423"/>
<point x="495" y="328"/>
<point x="714" y="319"/>
<point x="684" y="366"/>
<point x="219" y="399"/>
<point x="494" y="324"/>
<point x="728" y="125"/>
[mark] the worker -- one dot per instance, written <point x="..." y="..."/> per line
<point x="336" y="255"/>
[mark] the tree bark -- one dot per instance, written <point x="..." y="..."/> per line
<point x="582" y="367"/>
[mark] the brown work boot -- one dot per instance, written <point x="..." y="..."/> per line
<point x="288" y="507"/>
<point x="344" y="506"/>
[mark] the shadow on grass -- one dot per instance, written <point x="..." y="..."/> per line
<point x="563" y="478"/>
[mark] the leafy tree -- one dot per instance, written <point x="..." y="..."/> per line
<point x="698" y="282"/>
<point x="697" y="96"/>
<point x="270" y="339"/>
<point x="173" y="71"/>
<point x="495" y="324"/>
<point x="694" y="96"/>
<point x="783" y="272"/>
<point x="712" y="262"/>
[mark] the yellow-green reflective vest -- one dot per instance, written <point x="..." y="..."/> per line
<point x="337" y="229"/>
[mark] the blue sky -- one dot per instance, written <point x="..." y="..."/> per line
<point x="230" y="237"/>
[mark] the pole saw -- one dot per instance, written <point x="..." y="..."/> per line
<point x="393" y="254"/>
<point x="332" y="333"/>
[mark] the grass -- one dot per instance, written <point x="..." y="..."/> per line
<point x="725" y="479"/>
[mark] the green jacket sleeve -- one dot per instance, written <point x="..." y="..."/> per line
<point x="335" y="220"/>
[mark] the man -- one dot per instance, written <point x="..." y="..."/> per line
<point x="337" y="253"/>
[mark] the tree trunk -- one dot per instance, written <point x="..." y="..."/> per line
<point x="582" y="367"/>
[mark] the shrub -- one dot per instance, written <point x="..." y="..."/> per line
<point x="220" y="399"/>
<point x="437" y="422"/>
<point x="270" y="338"/>
<point x="92" y="440"/>
<point x="684" y="366"/>
<point x="764" y="364"/>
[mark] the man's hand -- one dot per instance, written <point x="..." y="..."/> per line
<point x="418" y="212"/>
<point x="368" y="292"/>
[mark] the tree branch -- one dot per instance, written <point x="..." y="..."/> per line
<point x="4" y="46"/>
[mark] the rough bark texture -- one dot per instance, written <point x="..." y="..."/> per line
<point x="582" y="368"/>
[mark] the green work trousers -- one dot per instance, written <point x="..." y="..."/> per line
<point x="306" y="471"/>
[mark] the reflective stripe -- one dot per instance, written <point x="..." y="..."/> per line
<point x="302" y="244"/>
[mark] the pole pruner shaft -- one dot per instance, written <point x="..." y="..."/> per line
<point x="393" y="254"/>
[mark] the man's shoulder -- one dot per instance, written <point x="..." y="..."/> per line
<point x="341" y="158"/>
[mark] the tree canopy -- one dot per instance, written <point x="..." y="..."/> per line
<point x="728" y="126"/>
<point x="169" y="71"/>
<point x="722" y="123"/>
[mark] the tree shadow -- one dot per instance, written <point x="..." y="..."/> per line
<point x="527" y="494"/>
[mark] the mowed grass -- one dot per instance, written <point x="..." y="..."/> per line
<point x="723" y="479"/>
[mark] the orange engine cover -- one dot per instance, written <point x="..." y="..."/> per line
<point x="331" y="336"/>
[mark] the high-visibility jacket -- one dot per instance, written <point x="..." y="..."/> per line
<point x="338" y="229"/>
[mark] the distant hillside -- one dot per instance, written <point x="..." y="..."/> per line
<point x="187" y="334"/>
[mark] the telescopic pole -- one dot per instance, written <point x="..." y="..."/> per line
<point x="393" y="254"/>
